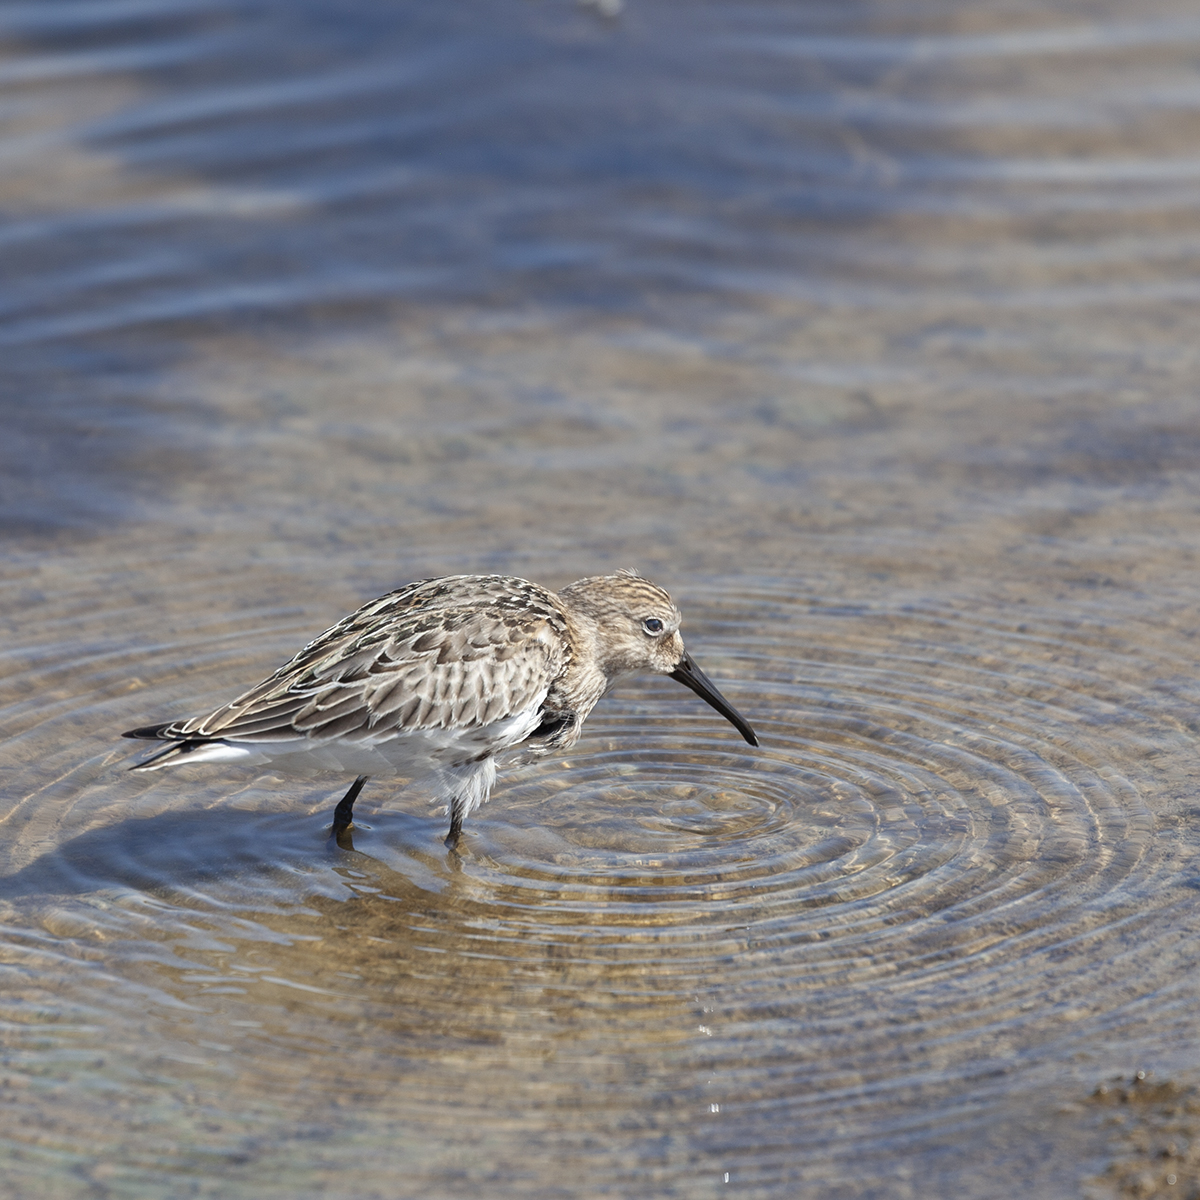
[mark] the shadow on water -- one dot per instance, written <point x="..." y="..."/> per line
<point x="222" y="853"/>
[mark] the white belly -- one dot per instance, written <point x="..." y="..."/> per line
<point x="406" y="752"/>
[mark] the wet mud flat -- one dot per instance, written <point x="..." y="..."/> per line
<point x="906" y="422"/>
<point x="1153" y="1126"/>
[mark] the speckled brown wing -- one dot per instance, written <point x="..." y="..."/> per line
<point x="449" y="653"/>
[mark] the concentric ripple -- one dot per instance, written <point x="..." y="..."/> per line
<point x="921" y="775"/>
<point x="941" y="800"/>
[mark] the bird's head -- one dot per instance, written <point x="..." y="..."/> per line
<point x="637" y="630"/>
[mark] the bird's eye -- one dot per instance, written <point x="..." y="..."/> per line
<point x="652" y="625"/>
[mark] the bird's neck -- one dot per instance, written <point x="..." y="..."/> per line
<point x="585" y="679"/>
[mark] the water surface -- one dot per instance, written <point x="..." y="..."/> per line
<point x="868" y="332"/>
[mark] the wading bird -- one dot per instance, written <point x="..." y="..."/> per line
<point x="434" y="680"/>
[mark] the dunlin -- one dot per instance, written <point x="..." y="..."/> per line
<point x="434" y="680"/>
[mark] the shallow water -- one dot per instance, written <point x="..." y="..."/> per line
<point x="866" y="330"/>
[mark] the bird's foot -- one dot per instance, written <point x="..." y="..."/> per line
<point x="343" y="815"/>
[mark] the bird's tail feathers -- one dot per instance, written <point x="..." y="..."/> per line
<point x="165" y="756"/>
<point x="180" y="750"/>
<point x="156" y="733"/>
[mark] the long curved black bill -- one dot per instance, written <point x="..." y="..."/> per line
<point x="692" y="677"/>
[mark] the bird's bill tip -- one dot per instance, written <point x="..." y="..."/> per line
<point x="692" y="677"/>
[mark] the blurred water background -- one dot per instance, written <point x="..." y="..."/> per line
<point x="867" y="329"/>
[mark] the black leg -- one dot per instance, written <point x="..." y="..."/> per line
<point x="456" y="820"/>
<point x="344" y="813"/>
